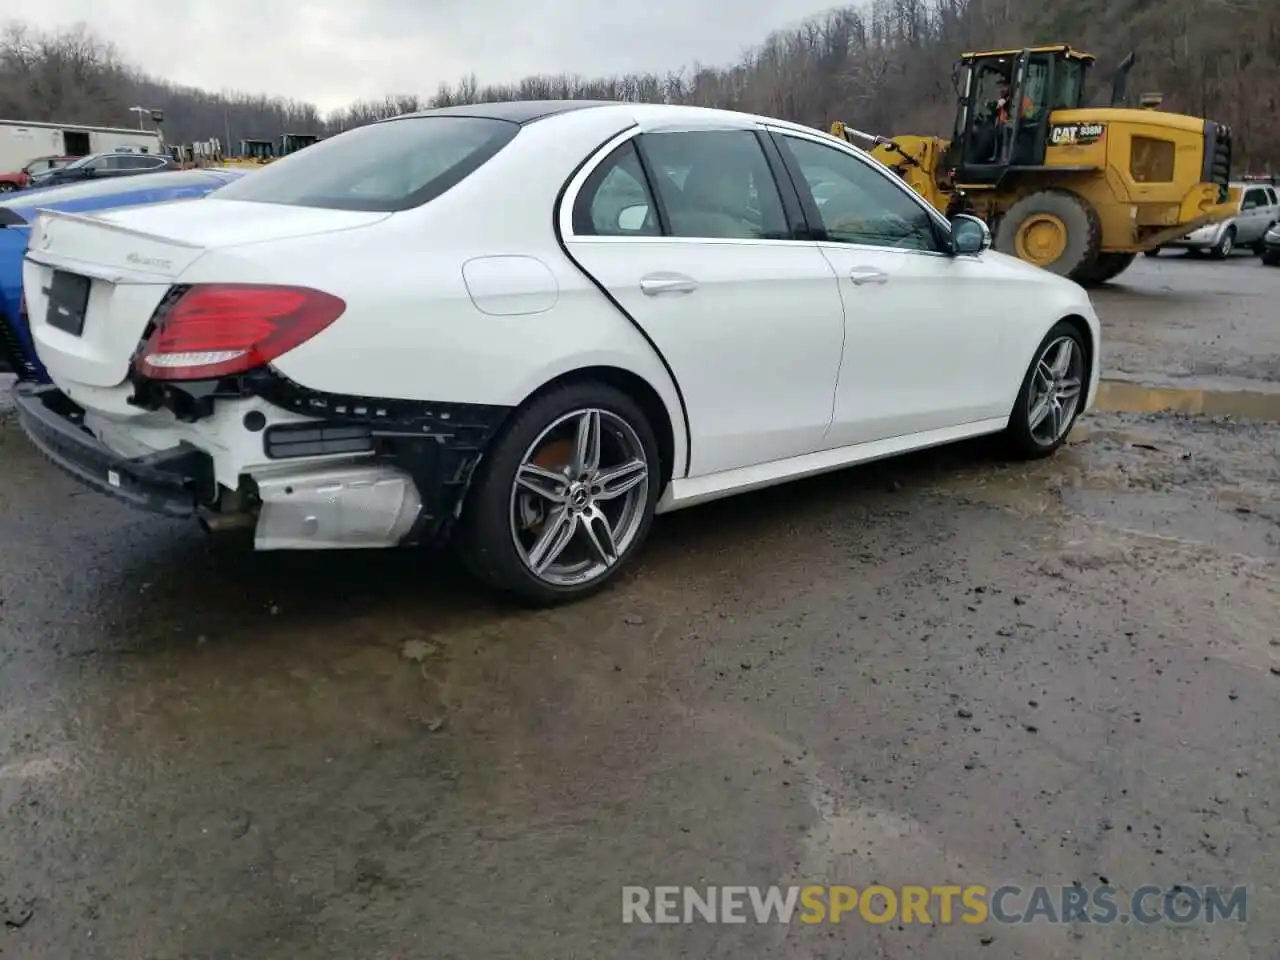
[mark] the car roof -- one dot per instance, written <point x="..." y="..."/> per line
<point x="515" y="111"/>
<point x="648" y="115"/>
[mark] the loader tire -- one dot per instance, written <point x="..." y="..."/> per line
<point x="1107" y="267"/>
<point x="1056" y="230"/>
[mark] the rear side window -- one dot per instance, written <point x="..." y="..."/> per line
<point x="716" y="185"/>
<point x="384" y="167"/>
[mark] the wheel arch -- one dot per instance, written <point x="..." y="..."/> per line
<point x="1081" y="326"/>
<point x="665" y="427"/>
<point x="1086" y="336"/>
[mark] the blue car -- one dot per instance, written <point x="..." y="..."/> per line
<point x="17" y="353"/>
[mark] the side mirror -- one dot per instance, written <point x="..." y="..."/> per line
<point x="969" y="235"/>
<point x="631" y="219"/>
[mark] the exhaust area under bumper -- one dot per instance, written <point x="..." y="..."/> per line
<point x="336" y="507"/>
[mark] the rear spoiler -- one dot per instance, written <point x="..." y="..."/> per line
<point x="56" y="215"/>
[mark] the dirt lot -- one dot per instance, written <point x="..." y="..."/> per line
<point x="938" y="670"/>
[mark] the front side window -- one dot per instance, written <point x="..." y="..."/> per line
<point x="715" y="184"/>
<point x="1035" y="90"/>
<point x="1069" y="84"/>
<point x="614" y="201"/>
<point x="383" y="167"/>
<point x="859" y="204"/>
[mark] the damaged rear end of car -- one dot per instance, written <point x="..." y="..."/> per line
<point x="166" y="396"/>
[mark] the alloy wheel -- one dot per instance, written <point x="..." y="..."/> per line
<point x="579" y="496"/>
<point x="1055" y="391"/>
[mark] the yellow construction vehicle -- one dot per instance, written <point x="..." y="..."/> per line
<point x="253" y="153"/>
<point x="1078" y="190"/>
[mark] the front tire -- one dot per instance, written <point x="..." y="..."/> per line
<point x="1051" y="396"/>
<point x="7" y="187"/>
<point x="1226" y="246"/>
<point x="1056" y="230"/>
<point x="1153" y="252"/>
<point x="1107" y="267"/>
<point x="565" y="497"/>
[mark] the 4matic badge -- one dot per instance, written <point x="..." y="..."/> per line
<point x="1076" y="134"/>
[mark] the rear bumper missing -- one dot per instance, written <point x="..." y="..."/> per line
<point x="363" y="473"/>
<point x="169" y="482"/>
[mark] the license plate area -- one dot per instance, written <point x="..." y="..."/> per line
<point x="68" y="302"/>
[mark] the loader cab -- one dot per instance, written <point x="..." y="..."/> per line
<point x="989" y="142"/>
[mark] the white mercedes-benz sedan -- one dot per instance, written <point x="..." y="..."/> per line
<point x="531" y="327"/>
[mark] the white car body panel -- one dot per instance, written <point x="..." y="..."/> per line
<point x="755" y="347"/>
<point x="774" y="366"/>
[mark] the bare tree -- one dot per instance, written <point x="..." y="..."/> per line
<point x="885" y="65"/>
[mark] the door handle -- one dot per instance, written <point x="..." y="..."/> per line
<point x="861" y="275"/>
<point x="658" y="283"/>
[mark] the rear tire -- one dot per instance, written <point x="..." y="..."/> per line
<point x="1052" y="394"/>
<point x="8" y="187"/>
<point x="1057" y="210"/>
<point x="577" y="516"/>
<point x="1271" y="259"/>
<point x="1107" y="267"/>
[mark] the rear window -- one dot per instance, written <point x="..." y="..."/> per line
<point x="388" y="166"/>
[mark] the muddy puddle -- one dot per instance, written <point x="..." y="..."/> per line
<point x="1122" y="396"/>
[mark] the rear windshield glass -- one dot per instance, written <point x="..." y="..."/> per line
<point x="386" y="166"/>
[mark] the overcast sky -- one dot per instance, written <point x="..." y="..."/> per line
<point x="331" y="52"/>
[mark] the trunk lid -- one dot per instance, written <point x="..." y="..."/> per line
<point x="129" y="259"/>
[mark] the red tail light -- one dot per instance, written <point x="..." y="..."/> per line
<point x="221" y="329"/>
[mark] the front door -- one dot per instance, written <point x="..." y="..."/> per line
<point x="748" y="320"/>
<point x="920" y="340"/>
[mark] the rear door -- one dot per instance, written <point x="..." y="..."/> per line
<point x="688" y="231"/>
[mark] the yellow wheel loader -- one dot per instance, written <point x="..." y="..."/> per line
<point x="1077" y="190"/>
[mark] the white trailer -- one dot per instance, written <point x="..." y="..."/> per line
<point x="21" y="142"/>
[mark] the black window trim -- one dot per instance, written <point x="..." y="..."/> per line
<point x="941" y="226"/>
